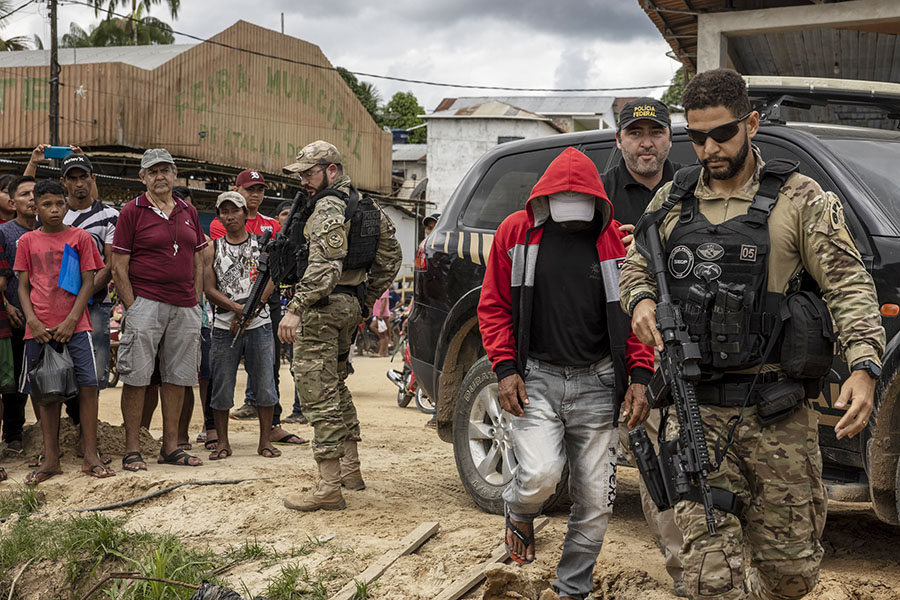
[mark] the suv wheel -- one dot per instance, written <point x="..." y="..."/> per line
<point x="482" y="444"/>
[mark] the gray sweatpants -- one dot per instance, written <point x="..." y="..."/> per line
<point x="569" y="418"/>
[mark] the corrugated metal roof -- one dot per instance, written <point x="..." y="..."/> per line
<point x="409" y="152"/>
<point x="541" y="105"/>
<point x="143" y="57"/>
<point x="490" y="108"/>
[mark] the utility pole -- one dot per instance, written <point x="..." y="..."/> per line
<point x="54" y="78"/>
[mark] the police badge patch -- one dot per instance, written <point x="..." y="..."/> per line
<point x="710" y="251"/>
<point x="681" y="261"/>
<point x="835" y="212"/>
<point x="334" y="239"/>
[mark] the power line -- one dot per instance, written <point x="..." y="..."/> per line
<point x="15" y="10"/>
<point x="374" y="75"/>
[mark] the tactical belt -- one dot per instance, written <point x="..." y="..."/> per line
<point x="350" y="290"/>
<point x="732" y="390"/>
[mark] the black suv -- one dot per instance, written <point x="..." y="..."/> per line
<point x="861" y="165"/>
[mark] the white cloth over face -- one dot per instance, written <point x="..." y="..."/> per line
<point x="571" y="206"/>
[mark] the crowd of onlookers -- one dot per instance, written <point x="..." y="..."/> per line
<point x="154" y="259"/>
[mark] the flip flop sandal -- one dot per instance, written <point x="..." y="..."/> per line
<point x="131" y="458"/>
<point x="177" y="457"/>
<point x="201" y="437"/>
<point x="102" y="457"/>
<point x="99" y="471"/>
<point x="217" y="454"/>
<point x="211" y="444"/>
<point x="13" y="452"/>
<point x="527" y="540"/>
<point x="287" y="440"/>
<point x="270" y="452"/>
<point x="3" y="475"/>
<point x="185" y="446"/>
<point x="36" y="477"/>
<point x="37" y="460"/>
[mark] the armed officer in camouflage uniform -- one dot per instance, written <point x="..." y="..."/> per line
<point x="728" y="268"/>
<point x="352" y="261"/>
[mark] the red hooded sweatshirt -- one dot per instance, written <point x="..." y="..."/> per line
<point x="504" y="309"/>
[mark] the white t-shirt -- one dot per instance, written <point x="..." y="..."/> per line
<point x="235" y="266"/>
<point x="99" y="220"/>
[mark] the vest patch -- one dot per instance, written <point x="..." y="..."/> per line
<point x="707" y="271"/>
<point x="681" y="261"/>
<point x="748" y="253"/>
<point x="710" y="251"/>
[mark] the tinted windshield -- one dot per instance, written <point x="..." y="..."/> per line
<point x="877" y="163"/>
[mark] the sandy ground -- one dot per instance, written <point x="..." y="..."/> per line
<point x="411" y="478"/>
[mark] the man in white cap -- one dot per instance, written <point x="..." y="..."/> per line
<point x="563" y="353"/>
<point x="157" y="266"/>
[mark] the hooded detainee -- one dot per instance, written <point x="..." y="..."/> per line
<point x="565" y="359"/>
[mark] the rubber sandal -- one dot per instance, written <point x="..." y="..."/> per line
<point x="99" y="471"/>
<point x="177" y="457"/>
<point x="528" y="540"/>
<point x="103" y="458"/>
<point x="36" y="477"/>
<point x="211" y="444"/>
<point x="217" y="454"/>
<point x="285" y="440"/>
<point x="269" y="452"/>
<point x="131" y="458"/>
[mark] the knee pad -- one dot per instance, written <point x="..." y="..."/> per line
<point x="784" y="579"/>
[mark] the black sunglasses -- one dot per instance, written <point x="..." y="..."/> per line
<point x="720" y="134"/>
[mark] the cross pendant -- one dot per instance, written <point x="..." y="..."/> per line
<point x="175" y="248"/>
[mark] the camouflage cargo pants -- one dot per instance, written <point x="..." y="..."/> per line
<point x="323" y="338"/>
<point x="776" y="471"/>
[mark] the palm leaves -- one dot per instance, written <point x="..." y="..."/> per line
<point x="19" y="42"/>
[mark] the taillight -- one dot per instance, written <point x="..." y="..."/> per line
<point x="420" y="264"/>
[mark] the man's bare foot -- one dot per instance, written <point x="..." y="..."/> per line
<point x="211" y="439"/>
<point x="520" y="540"/>
<point x="268" y="451"/>
<point x="179" y="458"/>
<point x="280" y="436"/>
<point x="14" y="449"/>
<point x="220" y="453"/>
<point x="48" y="469"/>
<point x="98" y="470"/>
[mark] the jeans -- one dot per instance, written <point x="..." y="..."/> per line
<point x="100" y="312"/>
<point x="249" y="395"/>
<point x="569" y="418"/>
<point x="255" y="345"/>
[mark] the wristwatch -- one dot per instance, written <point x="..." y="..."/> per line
<point x="869" y="366"/>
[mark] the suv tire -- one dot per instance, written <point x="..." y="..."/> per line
<point x="482" y="444"/>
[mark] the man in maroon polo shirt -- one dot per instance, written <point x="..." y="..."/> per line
<point x="158" y="269"/>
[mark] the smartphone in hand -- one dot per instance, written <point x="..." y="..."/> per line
<point x="57" y="151"/>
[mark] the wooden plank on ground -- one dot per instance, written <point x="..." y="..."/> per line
<point x="473" y="576"/>
<point x="408" y="545"/>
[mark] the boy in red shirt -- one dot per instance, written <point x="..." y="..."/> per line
<point x="53" y="314"/>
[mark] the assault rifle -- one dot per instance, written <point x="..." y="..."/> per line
<point x="279" y="259"/>
<point x="256" y="291"/>
<point x="682" y="468"/>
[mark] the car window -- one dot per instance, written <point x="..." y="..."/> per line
<point x="876" y="164"/>
<point x="601" y="155"/>
<point x="505" y="187"/>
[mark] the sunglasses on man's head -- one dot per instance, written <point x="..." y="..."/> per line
<point x="720" y="134"/>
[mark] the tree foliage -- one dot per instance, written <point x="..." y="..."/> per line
<point x="118" y="32"/>
<point x="403" y="112"/>
<point x="18" y="42"/>
<point x="366" y="93"/>
<point x="672" y="96"/>
<point x="135" y="24"/>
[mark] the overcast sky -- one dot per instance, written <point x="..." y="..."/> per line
<point x="516" y="43"/>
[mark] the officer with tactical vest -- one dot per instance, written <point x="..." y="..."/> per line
<point x="740" y="237"/>
<point x="351" y="258"/>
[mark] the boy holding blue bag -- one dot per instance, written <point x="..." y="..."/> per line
<point x="54" y="313"/>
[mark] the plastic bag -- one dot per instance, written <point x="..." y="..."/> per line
<point x="52" y="375"/>
<point x="382" y="326"/>
<point x="214" y="592"/>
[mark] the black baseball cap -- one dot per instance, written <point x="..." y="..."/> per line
<point x="432" y="217"/>
<point x="76" y="161"/>
<point x="644" y="108"/>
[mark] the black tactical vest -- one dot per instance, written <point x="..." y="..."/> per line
<point x="718" y="274"/>
<point x="365" y="227"/>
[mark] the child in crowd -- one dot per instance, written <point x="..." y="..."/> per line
<point x="53" y="314"/>
<point x="228" y="281"/>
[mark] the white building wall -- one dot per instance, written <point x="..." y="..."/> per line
<point x="406" y="233"/>
<point x="455" y="144"/>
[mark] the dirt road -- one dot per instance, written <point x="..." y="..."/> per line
<point x="411" y="478"/>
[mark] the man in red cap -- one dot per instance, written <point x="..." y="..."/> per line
<point x="252" y="186"/>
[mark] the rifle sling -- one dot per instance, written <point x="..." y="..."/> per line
<point x="722" y="499"/>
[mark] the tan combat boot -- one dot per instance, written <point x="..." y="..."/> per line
<point x="351" y="478"/>
<point x="327" y="493"/>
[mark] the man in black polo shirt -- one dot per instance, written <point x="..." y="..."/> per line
<point x="644" y="135"/>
